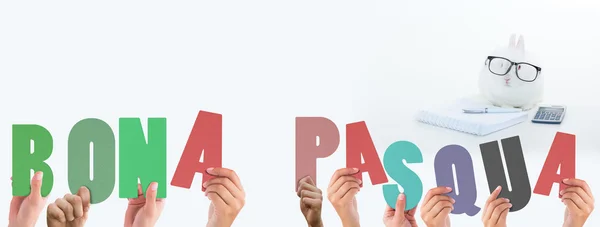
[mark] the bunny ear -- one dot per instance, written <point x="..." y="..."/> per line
<point x="512" y="41"/>
<point x="521" y="43"/>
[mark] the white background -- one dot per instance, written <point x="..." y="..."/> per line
<point x="262" y="63"/>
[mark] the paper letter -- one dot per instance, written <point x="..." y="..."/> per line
<point x="359" y="143"/>
<point x="83" y="135"/>
<point x="562" y="154"/>
<point x="316" y="137"/>
<point x="23" y="160"/>
<point x="520" y="193"/>
<point x="465" y="177"/>
<point x="141" y="159"/>
<point x="206" y="137"/>
<point x="409" y="180"/>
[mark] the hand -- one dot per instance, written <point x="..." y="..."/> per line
<point x="69" y="211"/>
<point x="495" y="210"/>
<point x="25" y="210"/>
<point x="436" y="207"/>
<point x="341" y="192"/>
<point x="144" y="212"/>
<point x="227" y="197"/>
<point x="399" y="217"/>
<point x="311" y="201"/>
<point x="579" y="201"/>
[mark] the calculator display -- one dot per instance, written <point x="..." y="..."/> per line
<point x="551" y="109"/>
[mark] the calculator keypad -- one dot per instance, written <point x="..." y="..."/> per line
<point x="548" y="115"/>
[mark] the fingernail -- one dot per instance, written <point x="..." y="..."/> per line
<point x="498" y="188"/>
<point x="402" y="196"/>
<point x="359" y="181"/>
<point x="448" y="188"/>
<point x="562" y="192"/>
<point x="506" y="199"/>
<point x="154" y="186"/>
<point x="355" y="169"/>
<point x="209" y="169"/>
<point x="565" y="180"/>
<point x="510" y="205"/>
<point x="39" y="175"/>
<point x="452" y="200"/>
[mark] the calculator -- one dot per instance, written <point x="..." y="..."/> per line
<point x="550" y="114"/>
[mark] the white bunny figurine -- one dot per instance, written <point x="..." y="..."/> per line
<point x="511" y="77"/>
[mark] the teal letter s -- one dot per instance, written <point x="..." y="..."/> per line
<point x="395" y="168"/>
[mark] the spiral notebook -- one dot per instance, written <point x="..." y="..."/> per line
<point x="452" y="117"/>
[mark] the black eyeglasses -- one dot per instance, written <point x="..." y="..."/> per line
<point x="501" y="66"/>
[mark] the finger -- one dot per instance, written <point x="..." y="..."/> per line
<point x="435" y="191"/>
<point x="489" y="209"/>
<point x="15" y="205"/>
<point x="312" y="202"/>
<point x="434" y="200"/>
<point x="400" y="206"/>
<point x="86" y="198"/>
<point x="151" y="192"/>
<point x="494" y="195"/>
<point x="336" y="186"/>
<point x="576" y="199"/>
<point x="223" y="172"/>
<point x="345" y="188"/>
<point x="441" y="205"/>
<point x="498" y="211"/>
<point x="570" y="204"/>
<point x="444" y="212"/>
<point x="351" y="193"/>
<point x="66" y="208"/>
<point x="580" y="192"/>
<point x="579" y="183"/>
<point x="308" y="180"/>
<point x="229" y="185"/>
<point x="341" y="172"/>
<point x="215" y="199"/>
<point x="76" y="204"/>
<point x="225" y="195"/>
<point x="55" y="213"/>
<point x="36" y="184"/>
<point x="311" y="195"/>
<point x="305" y="186"/>
<point x="503" y="216"/>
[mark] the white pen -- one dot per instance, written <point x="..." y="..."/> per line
<point x="491" y="110"/>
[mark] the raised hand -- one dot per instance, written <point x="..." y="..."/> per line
<point x="398" y="217"/>
<point x="579" y="201"/>
<point x="341" y="192"/>
<point x="70" y="210"/>
<point x="227" y="197"/>
<point x="25" y="210"/>
<point x="495" y="210"/>
<point x="436" y="207"/>
<point x="311" y="201"/>
<point x="144" y="212"/>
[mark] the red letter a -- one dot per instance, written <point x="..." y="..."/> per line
<point x="206" y="136"/>
<point x="359" y="143"/>
<point x="562" y="154"/>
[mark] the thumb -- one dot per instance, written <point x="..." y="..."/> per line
<point x="84" y="194"/>
<point x="151" y="194"/>
<point x="36" y="185"/>
<point x="400" y="206"/>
